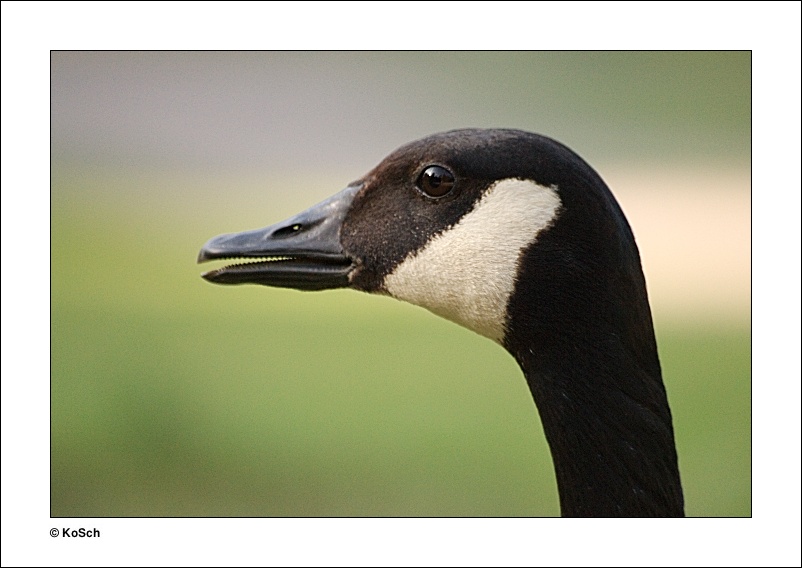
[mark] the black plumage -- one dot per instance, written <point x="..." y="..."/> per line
<point x="577" y="320"/>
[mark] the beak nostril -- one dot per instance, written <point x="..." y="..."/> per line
<point x="288" y="230"/>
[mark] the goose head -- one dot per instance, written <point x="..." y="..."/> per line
<point x="515" y="237"/>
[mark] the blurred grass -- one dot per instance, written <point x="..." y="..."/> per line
<point x="173" y="397"/>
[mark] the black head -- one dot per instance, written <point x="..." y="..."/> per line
<point x="363" y="236"/>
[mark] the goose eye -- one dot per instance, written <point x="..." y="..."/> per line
<point x="436" y="181"/>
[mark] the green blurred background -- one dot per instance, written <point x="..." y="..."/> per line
<point x="174" y="397"/>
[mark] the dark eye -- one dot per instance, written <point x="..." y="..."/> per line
<point x="436" y="181"/>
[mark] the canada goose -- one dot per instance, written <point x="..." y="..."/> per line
<point x="514" y="236"/>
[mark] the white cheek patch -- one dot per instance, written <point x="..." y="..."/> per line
<point x="467" y="273"/>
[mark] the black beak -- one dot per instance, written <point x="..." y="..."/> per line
<point x="303" y="252"/>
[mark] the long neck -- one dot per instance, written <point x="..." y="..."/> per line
<point x="610" y="435"/>
<point x="583" y="336"/>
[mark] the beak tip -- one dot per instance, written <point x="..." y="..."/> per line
<point x="208" y="251"/>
